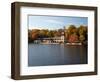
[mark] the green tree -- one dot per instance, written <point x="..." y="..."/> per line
<point x="82" y="33"/>
<point x="50" y="34"/>
<point x="82" y="38"/>
<point x="71" y="29"/>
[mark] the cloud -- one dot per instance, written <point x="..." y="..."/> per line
<point x="54" y="21"/>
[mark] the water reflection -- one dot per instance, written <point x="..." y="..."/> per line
<point x="43" y="55"/>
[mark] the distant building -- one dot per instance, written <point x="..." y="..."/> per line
<point x="60" y="39"/>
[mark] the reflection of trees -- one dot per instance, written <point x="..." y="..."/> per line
<point x="72" y="34"/>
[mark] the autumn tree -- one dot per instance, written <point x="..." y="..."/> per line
<point x="82" y="33"/>
<point x="71" y="33"/>
<point x="29" y="36"/>
<point x="73" y="38"/>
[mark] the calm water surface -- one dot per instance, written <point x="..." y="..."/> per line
<point x="43" y="55"/>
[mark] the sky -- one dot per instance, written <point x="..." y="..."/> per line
<point x="54" y="22"/>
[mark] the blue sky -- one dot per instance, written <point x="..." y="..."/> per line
<point x="54" y="22"/>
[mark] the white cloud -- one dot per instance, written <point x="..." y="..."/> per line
<point x="54" y="21"/>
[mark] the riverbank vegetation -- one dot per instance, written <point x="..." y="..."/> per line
<point x="72" y="34"/>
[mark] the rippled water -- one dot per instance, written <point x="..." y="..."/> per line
<point x="43" y="55"/>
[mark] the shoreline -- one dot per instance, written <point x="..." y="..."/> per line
<point x="69" y="44"/>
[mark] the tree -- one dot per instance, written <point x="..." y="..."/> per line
<point x="82" y="33"/>
<point x="71" y="29"/>
<point x="34" y="34"/>
<point x="29" y="36"/>
<point x="73" y="38"/>
<point x="71" y="33"/>
<point x="50" y="34"/>
<point x="81" y="38"/>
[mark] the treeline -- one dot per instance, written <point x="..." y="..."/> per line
<point x="72" y="33"/>
<point x="79" y="34"/>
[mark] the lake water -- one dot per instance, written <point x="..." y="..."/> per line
<point x="55" y="54"/>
